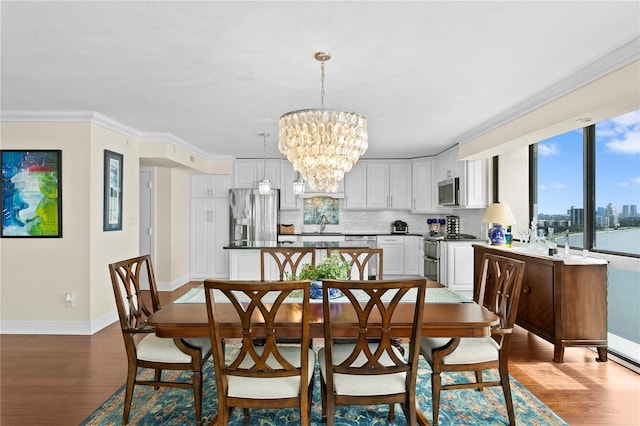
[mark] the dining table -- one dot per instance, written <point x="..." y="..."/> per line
<point x="442" y="317"/>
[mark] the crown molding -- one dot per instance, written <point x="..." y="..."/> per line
<point x="93" y="117"/>
<point x="624" y="55"/>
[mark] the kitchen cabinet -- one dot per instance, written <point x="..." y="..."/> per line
<point x="210" y="185"/>
<point x="209" y="226"/>
<point x="472" y="175"/>
<point x="456" y="266"/>
<point x="413" y="264"/>
<point x="288" y="200"/>
<point x="244" y="265"/>
<point x="393" y="254"/>
<point x="423" y="185"/>
<point x="389" y="185"/>
<point x="564" y="301"/>
<point x="209" y="233"/>
<point x="247" y="173"/>
<point x="355" y="187"/>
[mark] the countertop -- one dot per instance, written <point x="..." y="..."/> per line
<point x="571" y="259"/>
<point x="315" y="244"/>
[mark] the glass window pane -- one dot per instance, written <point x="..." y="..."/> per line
<point x="618" y="184"/>
<point x="560" y="187"/>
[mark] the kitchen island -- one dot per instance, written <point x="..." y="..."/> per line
<point x="244" y="259"/>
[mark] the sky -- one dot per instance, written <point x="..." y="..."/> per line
<point x="560" y="175"/>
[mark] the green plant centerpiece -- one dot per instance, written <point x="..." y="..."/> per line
<point x="333" y="267"/>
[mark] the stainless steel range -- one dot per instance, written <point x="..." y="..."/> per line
<point x="432" y="253"/>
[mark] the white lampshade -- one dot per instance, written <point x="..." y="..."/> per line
<point x="499" y="213"/>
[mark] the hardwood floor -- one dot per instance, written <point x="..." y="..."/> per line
<point x="60" y="380"/>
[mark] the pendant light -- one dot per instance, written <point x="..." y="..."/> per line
<point x="298" y="185"/>
<point x="264" y="186"/>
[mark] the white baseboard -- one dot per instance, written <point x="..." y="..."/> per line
<point x="81" y="328"/>
<point x="173" y="285"/>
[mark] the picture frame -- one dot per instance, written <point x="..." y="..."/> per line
<point x="31" y="193"/>
<point x="113" y="168"/>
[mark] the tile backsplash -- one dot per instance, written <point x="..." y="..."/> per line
<point x="379" y="221"/>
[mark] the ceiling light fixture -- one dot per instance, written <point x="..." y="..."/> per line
<point x="264" y="186"/>
<point x="298" y="185"/>
<point x="322" y="145"/>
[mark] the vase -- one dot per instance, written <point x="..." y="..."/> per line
<point x="315" y="290"/>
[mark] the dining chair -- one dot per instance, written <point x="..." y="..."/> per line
<point x="370" y="372"/>
<point x="498" y="291"/>
<point x="287" y="259"/>
<point x="269" y="375"/>
<point x="360" y="259"/>
<point x="144" y="348"/>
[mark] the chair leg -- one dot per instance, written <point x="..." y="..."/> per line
<point x="128" y="394"/>
<point x="479" y="379"/>
<point x="245" y="411"/>
<point x="506" y="389"/>
<point x="158" y="377"/>
<point x="323" y="400"/>
<point x="435" y="396"/>
<point x="197" y="395"/>
<point x="392" y="414"/>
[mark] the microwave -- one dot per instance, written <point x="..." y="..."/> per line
<point x="448" y="192"/>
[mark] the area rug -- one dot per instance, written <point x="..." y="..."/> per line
<point x="170" y="406"/>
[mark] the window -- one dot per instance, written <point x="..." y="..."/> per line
<point x="560" y="187"/>
<point x="617" y="166"/>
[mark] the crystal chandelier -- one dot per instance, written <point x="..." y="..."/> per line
<point x="264" y="186"/>
<point x="322" y="145"/>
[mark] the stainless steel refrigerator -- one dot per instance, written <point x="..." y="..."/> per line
<point x="253" y="216"/>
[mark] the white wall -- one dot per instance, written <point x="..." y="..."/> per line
<point x="514" y="185"/>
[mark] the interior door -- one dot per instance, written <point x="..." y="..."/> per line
<point x="147" y="213"/>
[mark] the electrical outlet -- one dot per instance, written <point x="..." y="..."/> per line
<point x="68" y="300"/>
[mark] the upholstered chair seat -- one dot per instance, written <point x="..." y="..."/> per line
<point x="469" y="351"/>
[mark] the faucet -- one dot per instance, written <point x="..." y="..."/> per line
<point x="323" y="222"/>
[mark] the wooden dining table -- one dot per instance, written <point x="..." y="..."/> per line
<point x="183" y="320"/>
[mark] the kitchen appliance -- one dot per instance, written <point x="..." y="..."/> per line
<point x="449" y="192"/>
<point x="399" y="227"/>
<point x="253" y="217"/>
<point x="431" y="258"/>
<point x="452" y="226"/>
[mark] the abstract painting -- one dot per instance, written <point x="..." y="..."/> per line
<point x="31" y="193"/>
<point x="314" y="208"/>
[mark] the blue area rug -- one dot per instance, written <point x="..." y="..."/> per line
<point x="171" y="406"/>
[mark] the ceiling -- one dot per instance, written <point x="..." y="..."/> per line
<point x="212" y="75"/>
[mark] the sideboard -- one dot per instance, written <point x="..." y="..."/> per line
<point x="563" y="299"/>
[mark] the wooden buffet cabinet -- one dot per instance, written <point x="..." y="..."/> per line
<point x="563" y="300"/>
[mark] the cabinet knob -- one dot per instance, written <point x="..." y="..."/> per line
<point x="526" y="289"/>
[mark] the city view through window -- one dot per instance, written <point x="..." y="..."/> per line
<point x="617" y="191"/>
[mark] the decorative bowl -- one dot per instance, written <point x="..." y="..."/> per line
<point x="315" y="290"/>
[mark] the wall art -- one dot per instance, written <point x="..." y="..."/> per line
<point x="113" y="166"/>
<point x="31" y="193"/>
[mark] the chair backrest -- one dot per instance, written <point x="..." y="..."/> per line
<point x="256" y="305"/>
<point x="499" y="291"/>
<point x="360" y="259"/>
<point x="133" y="303"/>
<point x="288" y="260"/>
<point x="375" y="304"/>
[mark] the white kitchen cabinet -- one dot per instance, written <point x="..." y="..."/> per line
<point x="288" y="200"/>
<point x="423" y="185"/>
<point x="393" y="254"/>
<point x="473" y="184"/>
<point x="456" y="266"/>
<point x="210" y="185"/>
<point x="355" y="187"/>
<point x="412" y="255"/>
<point x="244" y="265"/>
<point x="209" y="233"/>
<point x="389" y="185"/>
<point x="247" y="173"/>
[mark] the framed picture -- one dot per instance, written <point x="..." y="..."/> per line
<point x="31" y="193"/>
<point x="112" y="220"/>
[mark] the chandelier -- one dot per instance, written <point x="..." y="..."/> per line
<point x="264" y="186"/>
<point x="322" y="145"/>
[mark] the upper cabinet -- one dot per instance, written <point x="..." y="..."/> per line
<point x="389" y="185"/>
<point x="472" y="175"/>
<point x="423" y="185"/>
<point x="355" y="187"/>
<point x="247" y="173"/>
<point x="210" y="185"/>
